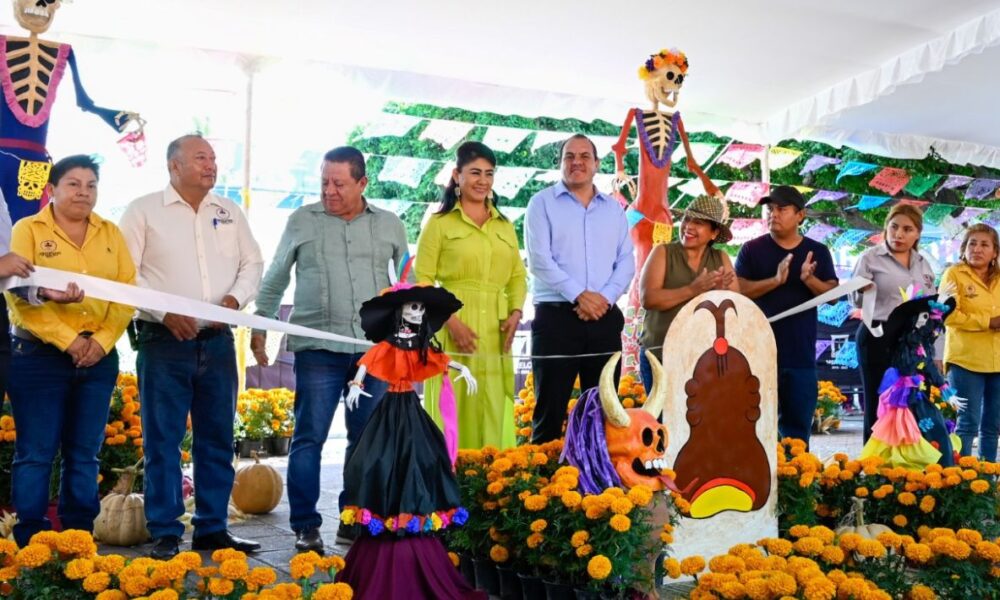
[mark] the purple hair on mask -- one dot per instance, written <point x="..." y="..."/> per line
<point x="586" y="447"/>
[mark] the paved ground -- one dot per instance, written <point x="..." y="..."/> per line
<point x="276" y="537"/>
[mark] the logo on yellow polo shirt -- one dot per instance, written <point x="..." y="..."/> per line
<point x="49" y="248"/>
<point x="970" y="291"/>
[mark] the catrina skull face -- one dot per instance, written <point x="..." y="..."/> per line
<point x="637" y="441"/>
<point x="413" y="312"/>
<point x="663" y="85"/>
<point x="35" y="15"/>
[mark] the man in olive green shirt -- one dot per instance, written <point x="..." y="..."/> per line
<point x="340" y="248"/>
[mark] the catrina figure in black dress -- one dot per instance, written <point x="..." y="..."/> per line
<point x="400" y="483"/>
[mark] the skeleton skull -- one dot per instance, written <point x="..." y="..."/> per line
<point x="413" y="312"/>
<point x="636" y="440"/>
<point x="664" y="85"/>
<point x="35" y="15"/>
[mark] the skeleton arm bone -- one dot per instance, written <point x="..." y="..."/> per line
<point x="356" y="391"/>
<point x="466" y="374"/>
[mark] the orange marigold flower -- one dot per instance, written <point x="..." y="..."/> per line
<point x="599" y="567"/>
<point x="621" y="506"/>
<point x="640" y="495"/>
<point x="499" y="554"/>
<point x="918" y="553"/>
<point x="96" y="582"/>
<point x="979" y="486"/>
<point x="620" y="523"/>
<point x="871" y="549"/>
<point x="219" y="586"/>
<point x="692" y="565"/>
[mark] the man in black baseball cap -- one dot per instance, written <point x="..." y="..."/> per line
<point x="778" y="271"/>
<point x="784" y="195"/>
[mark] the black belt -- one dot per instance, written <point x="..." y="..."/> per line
<point x="203" y="334"/>
<point x="555" y="304"/>
<point x="24" y="334"/>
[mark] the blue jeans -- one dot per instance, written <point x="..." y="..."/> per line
<point x="645" y="371"/>
<point x="981" y="415"/>
<point x="57" y="407"/>
<point x="796" y="402"/>
<point x="177" y="378"/>
<point x="321" y="377"/>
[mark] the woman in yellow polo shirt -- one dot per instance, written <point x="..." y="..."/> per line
<point x="470" y="248"/>
<point x="63" y="359"/>
<point x="972" y="339"/>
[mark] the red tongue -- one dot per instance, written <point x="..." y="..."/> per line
<point x="668" y="483"/>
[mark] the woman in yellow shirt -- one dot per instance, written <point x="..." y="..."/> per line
<point x="470" y="248"/>
<point x="63" y="359"/>
<point x="972" y="339"/>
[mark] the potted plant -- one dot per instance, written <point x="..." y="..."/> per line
<point x="252" y="425"/>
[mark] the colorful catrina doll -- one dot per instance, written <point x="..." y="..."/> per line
<point x="910" y="431"/>
<point x="400" y="485"/>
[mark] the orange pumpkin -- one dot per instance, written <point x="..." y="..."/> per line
<point x="257" y="487"/>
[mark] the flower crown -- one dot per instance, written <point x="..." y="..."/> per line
<point x="662" y="60"/>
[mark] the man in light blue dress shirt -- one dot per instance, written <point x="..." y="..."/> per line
<point x="581" y="262"/>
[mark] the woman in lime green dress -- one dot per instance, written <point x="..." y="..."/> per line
<point x="470" y="248"/>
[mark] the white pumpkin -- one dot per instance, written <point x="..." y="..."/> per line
<point x="122" y="520"/>
<point x="869" y="532"/>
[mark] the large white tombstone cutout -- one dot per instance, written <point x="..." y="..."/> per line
<point x="720" y="365"/>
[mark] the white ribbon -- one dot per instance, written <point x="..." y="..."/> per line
<point x="855" y="284"/>
<point x="130" y="295"/>
<point x="112" y="291"/>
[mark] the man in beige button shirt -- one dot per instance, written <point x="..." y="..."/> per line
<point x="190" y="242"/>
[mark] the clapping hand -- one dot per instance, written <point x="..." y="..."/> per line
<point x="706" y="280"/>
<point x="808" y="267"/>
<point x="781" y="275"/>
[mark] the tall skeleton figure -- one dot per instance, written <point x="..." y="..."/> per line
<point x="658" y="131"/>
<point x="30" y="72"/>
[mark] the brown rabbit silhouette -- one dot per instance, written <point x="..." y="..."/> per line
<point x="723" y="452"/>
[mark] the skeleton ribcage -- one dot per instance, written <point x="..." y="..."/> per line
<point x="660" y="130"/>
<point x="30" y="65"/>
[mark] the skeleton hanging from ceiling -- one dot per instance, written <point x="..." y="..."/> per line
<point x="30" y="72"/>
<point x="658" y="132"/>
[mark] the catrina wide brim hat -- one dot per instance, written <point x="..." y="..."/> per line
<point x="710" y="208"/>
<point x="378" y="315"/>
<point x="901" y="317"/>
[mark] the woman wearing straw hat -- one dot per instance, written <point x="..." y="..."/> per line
<point x="676" y="272"/>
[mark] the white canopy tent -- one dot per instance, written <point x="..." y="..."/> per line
<point x="892" y="77"/>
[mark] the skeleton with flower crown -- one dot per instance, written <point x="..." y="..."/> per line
<point x="30" y="72"/>
<point x="659" y="130"/>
